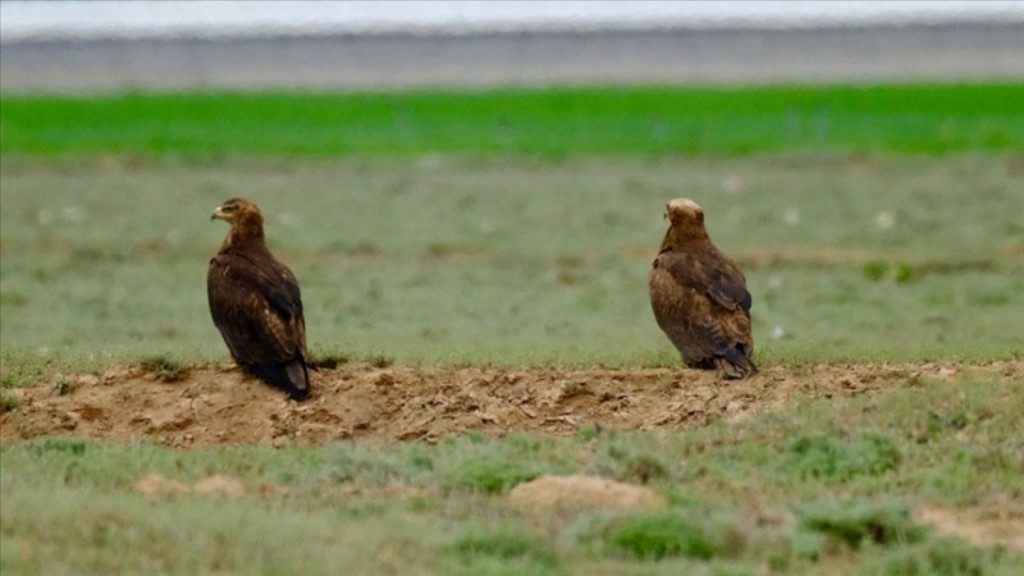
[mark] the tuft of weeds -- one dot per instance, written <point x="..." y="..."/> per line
<point x="327" y="361"/>
<point x="875" y="270"/>
<point x="503" y="544"/>
<point x="8" y="402"/>
<point x="899" y="272"/>
<point x="380" y="361"/>
<point x="828" y="458"/>
<point x="633" y="464"/>
<point x="59" y="445"/>
<point x="906" y="273"/>
<point x="490" y="476"/>
<point x="644" y="468"/>
<point x="166" y="370"/>
<point x="858" y="522"/>
<point x="933" y="425"/>
<point x="662" y="535"/>
<point x="589" y="432"/>
<point x="937" y="557"/>
<point x="63" y="387"/>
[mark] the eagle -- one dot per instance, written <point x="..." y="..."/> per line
<point x="699" y="296"/>
<point x="255" y="302"/>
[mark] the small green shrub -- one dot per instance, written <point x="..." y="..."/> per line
<point x="906" y="273"/>
<point x="657" y="536"/>
<point x="899" y="272"/>
<point x="327" y="361"/>
<point x="503" y="544"/>
<point x="63" y="387"/>
<point x="504" y="552"/>
<point x="875" y="270"/>
<point x="829" y="458"/>
<point x="633" y="464"/>
<point x="8" y="402"/>
<point x="490" y="476"/>
<point x="644" y="468"/>
<point x="939" y="557"/>
<point x="166" y="370"/>
<point x="380" y="361"/>
<point x="588" y="432"/>
<point x="61" y="446"/>
<point x="858" y="522"/>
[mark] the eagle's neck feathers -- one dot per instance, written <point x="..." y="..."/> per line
<point x="246" y="232"/>
<point x="679" y="236"/>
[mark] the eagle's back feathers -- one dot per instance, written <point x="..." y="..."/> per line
<point x="256" y="305"/>
<point x="700" y="300"/>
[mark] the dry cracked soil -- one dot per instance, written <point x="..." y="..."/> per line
<point x="211" y="404"/>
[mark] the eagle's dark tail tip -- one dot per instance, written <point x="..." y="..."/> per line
<point x="292" y="377"/>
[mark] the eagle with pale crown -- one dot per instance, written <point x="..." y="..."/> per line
<point x="699" y="296"/>
<point x="255" y="302"/>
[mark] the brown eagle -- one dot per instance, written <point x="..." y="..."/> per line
<point x="255" y="302"/>
<point x="700" y="297"/>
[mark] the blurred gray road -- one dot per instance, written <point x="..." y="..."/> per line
<point x="357" y="62"/>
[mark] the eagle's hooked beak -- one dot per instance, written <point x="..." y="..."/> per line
<point x="216" y="215"/>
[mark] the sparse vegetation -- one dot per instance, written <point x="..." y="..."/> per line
<point x="444" y="507"/>
<point x="937" y="557"/>
<point x="829" y="458"/>
<point x="490" y="475"/>
<point x="516" y="550"/>
<point x="165" y="369"/>
<point x="380" y="361"/>
<point x="63" y="387"/>
<point x="327" y="361"/>
<point x="8" y="402"/>
<point x="857" y="523"/>
<point x="657" y="536"/>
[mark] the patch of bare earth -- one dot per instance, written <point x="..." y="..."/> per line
<point x="219" y="405"/>
<point x="155" y="485"/>
<point x="997" y="524"/>
<point x="573" y="493"/>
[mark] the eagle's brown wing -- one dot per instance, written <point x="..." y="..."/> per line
<point x="256" y="304"/>
<point x="710" y="272"/>
<point x="705" y="308"/>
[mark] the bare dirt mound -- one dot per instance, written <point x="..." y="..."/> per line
<point x="218" y="405"/>
<point x="1000" y="523"/>
<point x="573" y="493"/>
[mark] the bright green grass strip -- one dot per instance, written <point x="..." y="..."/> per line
<point x="932" y="119"/>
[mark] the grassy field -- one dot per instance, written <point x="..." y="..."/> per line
<point x="513" y="261"/>
<point x="874" y="224"/>
<point x="833" y="487"/>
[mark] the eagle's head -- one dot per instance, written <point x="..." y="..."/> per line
<point x="244" y="216"/>
<point x="686" y="217"/>
<point x="237" y="210"/>
<point x="684" y="211"/>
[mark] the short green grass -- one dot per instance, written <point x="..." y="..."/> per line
<point x="550" y="122"/>
<point x="513" y="260"/>
<point x="823" y="487"/>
